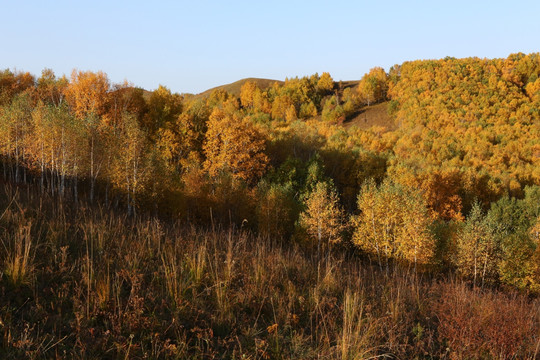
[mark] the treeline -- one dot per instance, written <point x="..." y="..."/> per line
<point x="454" y="187"/>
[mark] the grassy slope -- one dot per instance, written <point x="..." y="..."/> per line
<point x="97" y="284"/>
<point x="370" y="116"/>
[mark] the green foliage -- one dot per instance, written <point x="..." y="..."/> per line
<point x="307" y="110"/>
<point x="276" y="210"/>
<point x="332" y="112"/>
<point x="513" y="220"/>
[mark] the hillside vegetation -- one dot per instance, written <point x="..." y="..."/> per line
<point x="235" y="87"/>
<point x="394" y="216"/>
<point x="89" y="282"/>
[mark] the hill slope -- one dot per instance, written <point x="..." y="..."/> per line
<point x="369" y="116"/>
<point x="234" y="88"/>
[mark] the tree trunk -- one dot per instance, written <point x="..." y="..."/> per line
<point x="319" y="240"/>
<point x="484" y="269"/>
<point x="4" y="164"/>
<point x="92" y="179"/>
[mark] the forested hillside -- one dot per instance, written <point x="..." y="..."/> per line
<point x="430" y="170"/>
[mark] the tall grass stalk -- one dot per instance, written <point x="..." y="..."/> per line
<point x="19" y="263"/>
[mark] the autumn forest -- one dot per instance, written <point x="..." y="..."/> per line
<point x="397" y="216"/>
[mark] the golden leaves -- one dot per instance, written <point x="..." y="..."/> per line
<point x="393" y="223"/>
<point x="87" y="93"/>
<point x="234" y="145"/>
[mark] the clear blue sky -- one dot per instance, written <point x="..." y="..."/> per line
<point x="195" y="45"/>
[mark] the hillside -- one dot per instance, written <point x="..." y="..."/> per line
<point x="88" y="282"/>
<point x="397" y="216"/>
<point x="370" y="116"/>
<point x="263" y="84"/>
<point x="234" y="88"/>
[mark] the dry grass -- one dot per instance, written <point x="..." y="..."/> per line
<point x="102" y="285"/>
<point x="372" y="117"/>
<point x="19" y="261"/>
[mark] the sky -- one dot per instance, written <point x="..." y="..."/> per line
<point x="191" y="46"/>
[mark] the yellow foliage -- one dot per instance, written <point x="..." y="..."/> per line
<point x="325" y="83"/>
<point x="373" y="86"/>
<point x="233" y="144"/>
<point x="393" y="223"/>
<point x="87" y="93"/>
<point x="323" y="218"/>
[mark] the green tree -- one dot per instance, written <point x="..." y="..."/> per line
<point x="276" y="210"/>
<point x="307" y="110"/>
<point x="332" y="112"/>
<point x="15" y="127"/>
<point x="514" y="221"/>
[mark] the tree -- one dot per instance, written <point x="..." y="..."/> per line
<point x="129" y="163"/>
<point x="322" y="217"/>
<point x="51" y="90"/>
<point x="333" y="112"/>
<point x="282" y="108"/>
<point x="55" y="145"/>
<point x="260" y="101"/>
<point x="290" y="114"/>
<point x="515" y="222"/>
<point x="276" y="210"/>
<point x="534" y="233"/>
<point x="478" y="251"/>
<point x="126" y="98"/>
<point x="308" y="110"/>
<point x="533" y="90"/>
<point x="163" y="108"/>
<point x="15" y="120"/>
<point x="234" y="145"/>
<point x="373" y="86"/>
<point x="38" y="144"/>
<point x="12" y="84"/>
<point x="393" y="223"/>
<point x="439" y="187"/>
<point x="247" y="93"/>
<point x="416" y="241"/>
<point x="87" y="94"/>
<point x="325" y="84"/>
<point x="182" y="139"/>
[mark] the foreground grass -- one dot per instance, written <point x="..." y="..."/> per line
<point x="85" y="282"/>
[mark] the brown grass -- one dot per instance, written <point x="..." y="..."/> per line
<point x="372" y="116"/>
<point x="108" y="286"/>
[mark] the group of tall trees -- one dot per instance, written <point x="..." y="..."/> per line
<point x="455" y="185"/>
